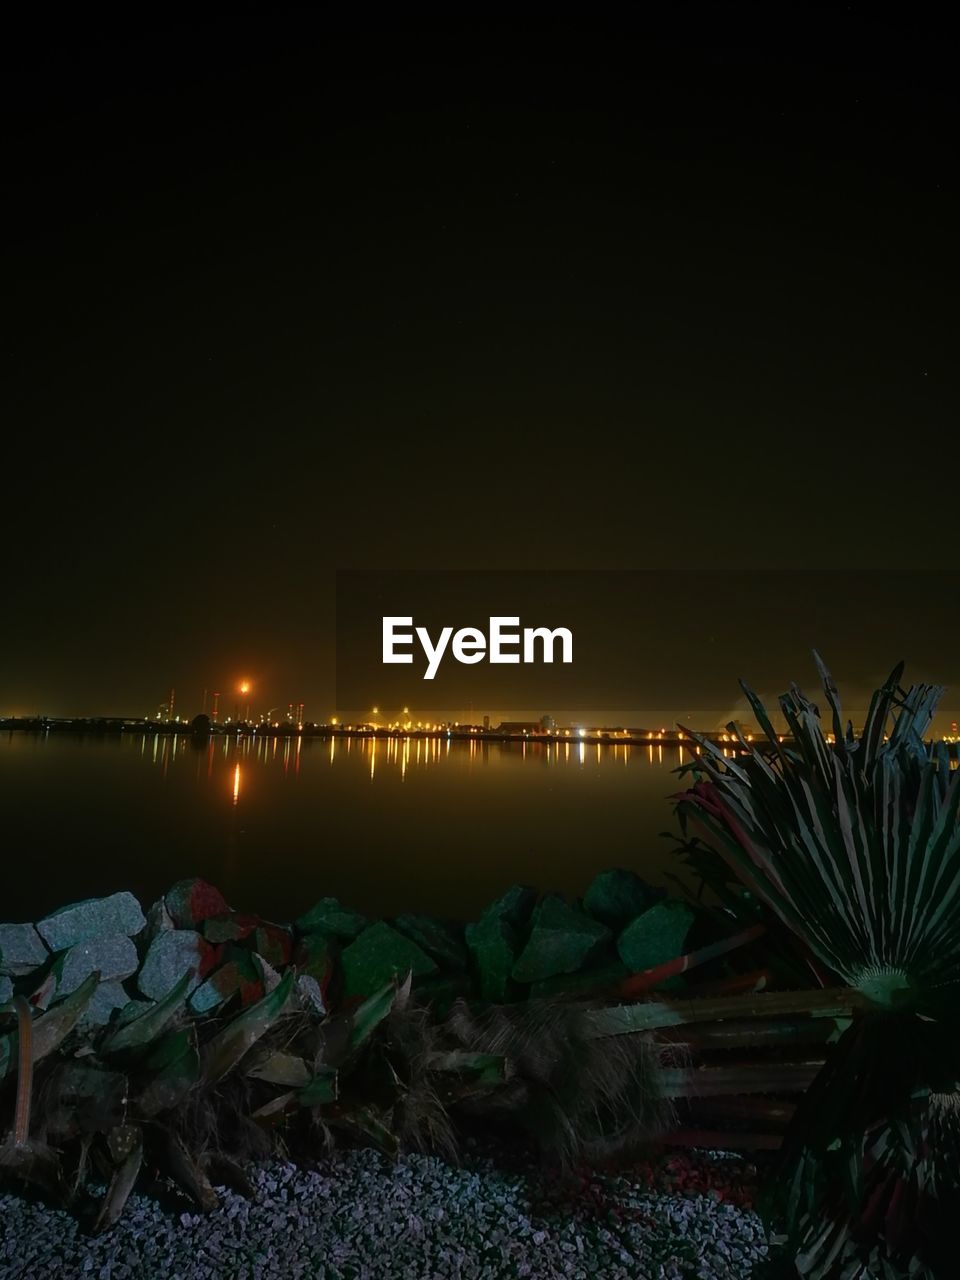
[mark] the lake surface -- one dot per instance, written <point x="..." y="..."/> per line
<point x="387" y="826"/>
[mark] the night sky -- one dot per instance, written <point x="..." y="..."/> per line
<point x="286" y="296"/>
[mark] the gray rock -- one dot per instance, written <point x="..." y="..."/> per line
<point x="21" y="950"/>
<point x="618" y="896"/>
<point x="173" y="953"/>
<point x="379" y="954"/>
<point x="331" y="918"/>
<point x="6" y="990"/>
<point x="437" y="938"/>
<point x="561" y="940"/>
<point x="493" y="941"/>
<point x="158" y="919"/>
<point x="107" y="997"/>
<point x="93" y="918"/>
<point x="239" y="974"/>
<point x="656" y="936"/>
<point x="311" y="995"/>
<point x="113" y="958"/>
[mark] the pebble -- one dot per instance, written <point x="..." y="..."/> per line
<point x="360" y="1216"/>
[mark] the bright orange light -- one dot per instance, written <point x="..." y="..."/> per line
<point x="244" y="686"/>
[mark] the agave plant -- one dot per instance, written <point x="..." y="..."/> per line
<point x="852" y="842"/>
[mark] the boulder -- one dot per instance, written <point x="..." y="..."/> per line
<point x="158" y="919"/>
<point x="93" y="918"/>
<point x="561" y="940"/>
<point x="112" y="957"/>
<point x="231" y="926"/>
<point x="107" y="997"/>
<point x="655" y="936"/>
<point x="514" y="906"/>
<point x="439" y="940"/>
<point x="314" y="956"/>
<point x="21" y="950"/>
<point x="330" y="917"/>
<point x="494" y="940"/>
<point x="311" y="996"/>
<point x="493" y="943"/>
<point x="239" y="975"/>
<point x="274" y="943"/>
<point x="617" y="896"/>
<point x="190" y="902"/>
<point x="6" y="989"/>
<point x="379" y="954"/>
<point x="173" y="953"/>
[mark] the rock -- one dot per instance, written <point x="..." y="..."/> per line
<point x="311" y="995"/>
<point x="655" y="936"/>
<point x="94" y="918"/>
<point x="561" y="940"/>
<point x="315" y="955"/>
<point x="328" y="916"/>
<point x="190" y="902"/>
<point x="6" y="989"/>
<point x="379" y="954"/>
<point x="493" y="942"/>
<point x="438" y="939"/>
<point x="514" y="906"/>
<point x="618" y="896"/>
<point x="238" y="975"/>
<point x="274" y="943"/>
<point x="231" y="926"/>
<point x="173" y="953"/>
<point x="21" y="950"/>
<point x="158" y="919"/>
<point x="107" y="997"/>
<point x="113" y="958"/>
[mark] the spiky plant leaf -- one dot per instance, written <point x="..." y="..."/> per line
<point x="118" y="1192"/>
<point x="144" y="1030"/>
<point x="226" y="1049"/>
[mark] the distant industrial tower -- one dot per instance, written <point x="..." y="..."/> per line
<point x="216" y="707"/>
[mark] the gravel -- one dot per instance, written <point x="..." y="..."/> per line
<point x="360" y="1216"/>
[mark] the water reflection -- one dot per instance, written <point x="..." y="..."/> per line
<point x="389" y="824"/>
<point x="400" y="754"/>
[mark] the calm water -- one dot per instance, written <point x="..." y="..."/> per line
<point x="385" y="826"/>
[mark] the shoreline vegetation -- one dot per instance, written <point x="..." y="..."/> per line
<point x="798" y="995"/>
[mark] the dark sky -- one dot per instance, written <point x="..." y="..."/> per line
<point x="286" y="296"/>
